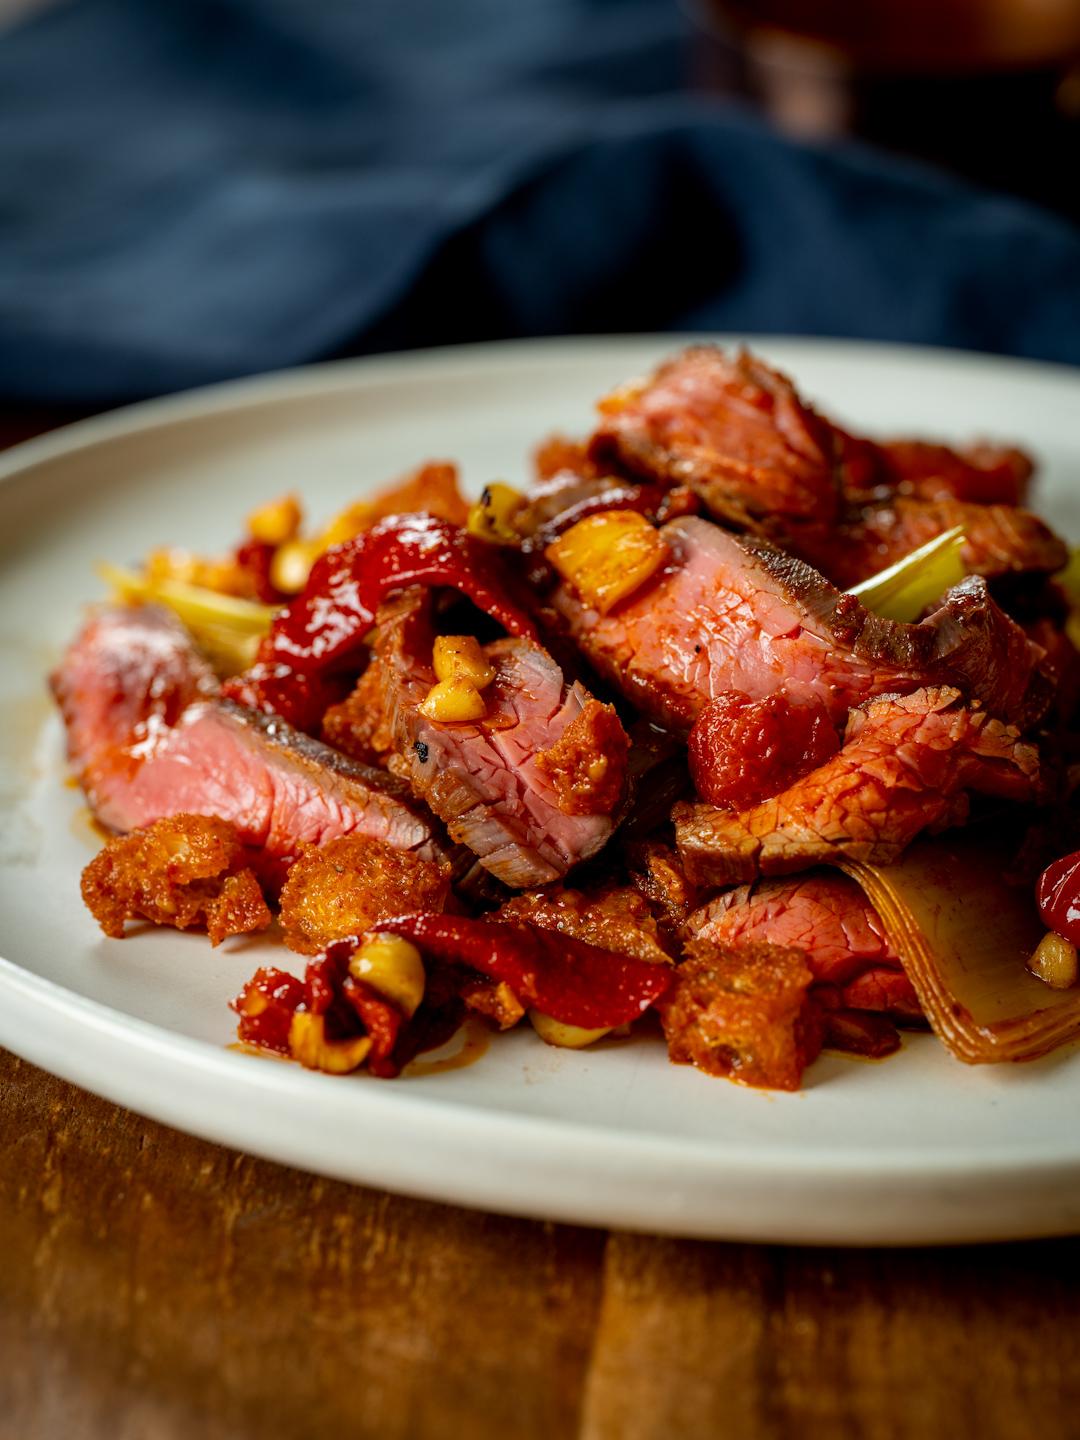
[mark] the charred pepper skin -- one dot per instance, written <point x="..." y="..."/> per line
<point x="315" y="636"/>
<point x="574" y="982"/>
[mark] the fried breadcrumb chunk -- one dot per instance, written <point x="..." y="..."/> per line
<point x="657" y="873"/>
<point x="559" y="454"/>
<point x="495" y="1001"/>
<point x="743" y="1012"/>
<point x="184" y="871"/>
<point x="344" y="887"/>
<point x="587" y="764"/>
<point x="359" y="726"/>
<point x="615" y="918"/>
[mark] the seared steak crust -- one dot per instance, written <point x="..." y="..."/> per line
<point x="762" y="459"/>
<point x="735" y="613"/>
<point x="998" y="539"/>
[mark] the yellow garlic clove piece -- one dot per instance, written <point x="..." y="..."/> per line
<point x="564" y="1037"/>
<point x="452" y="702"/>
<point x="459" y="657"/>
<point x="1055" y="961"/>
<point x="492" y="517"/>
<point x="291" y="564"/>
<point x="394" y="968"/>
<point x="308" y="1043"/>
<point x="607" y="557"/>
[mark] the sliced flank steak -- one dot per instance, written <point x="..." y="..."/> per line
<point x="142" y="751"/>
<point x="979" y="474"/>
<point x="998" y="539"/>
<point x="762" y="459"/>
<point x="733" y="613"/>
<point x="532" y="787"/>
<point x="131" y="670"/>
<point x="907" y="765"/>
<point x="826" y="916"/>
<point x="733" y="430"/>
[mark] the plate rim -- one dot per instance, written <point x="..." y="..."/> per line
<point x="297" y="381"/>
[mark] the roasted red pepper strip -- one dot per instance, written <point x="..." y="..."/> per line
<point x="346" y="585"/>
<point x="271" y="997"/>
<point x="337" y="608"/>
<point x="567" y="979"/>
<point x="382" y="1022"/>
<point x="256" y="558"/>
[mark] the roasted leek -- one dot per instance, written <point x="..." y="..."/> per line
<point x="971" y="976"/>
<point x="904" y="590"/>
<point x="227" y="628"/>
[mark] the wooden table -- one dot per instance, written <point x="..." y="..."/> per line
<point x="155" y="1287"/>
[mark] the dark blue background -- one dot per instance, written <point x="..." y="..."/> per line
<point x="192" y="190"/>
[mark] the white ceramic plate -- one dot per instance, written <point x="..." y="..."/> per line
<point x="918" y="1148"/>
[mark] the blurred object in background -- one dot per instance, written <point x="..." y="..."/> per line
<point x="990" y="88"/>
<point x="198" y="189"/>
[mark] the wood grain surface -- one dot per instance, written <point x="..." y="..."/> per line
<point x="156" y="1287"/>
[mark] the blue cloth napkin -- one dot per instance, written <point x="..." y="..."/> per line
<point x="195" y="189"/>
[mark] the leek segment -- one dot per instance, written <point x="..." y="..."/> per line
<point x="227" y="628"/>
<point x="965" y="937"/>
<point x="904" y="590"/>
